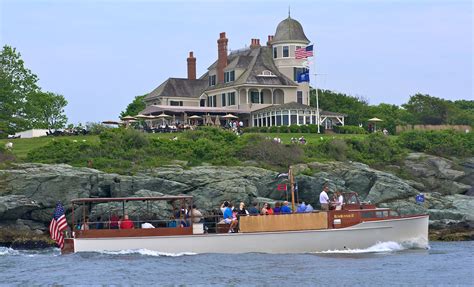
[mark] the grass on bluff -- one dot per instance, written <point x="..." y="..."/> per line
<point x="21" y="147"/>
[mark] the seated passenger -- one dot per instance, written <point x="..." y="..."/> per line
<point x="85" y="225"/>
<point x="229" y="217"/>
<point x="301" y="207"/>
<point x="266" y="209"/>
<point x="113" y="223"/>
<point x="254" y="209"/>
<point x="242" y="211"/>
<point x="277" y="209"/>
<point x="309" y="208"/>
<point x="99" y="224"/>
<point x="196" y="214"/>
<point x="126" y="223"/>
<point x="285" y="209"/>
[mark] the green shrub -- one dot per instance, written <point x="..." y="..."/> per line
<point x="268" y="152"/>
<point x="442" y="143"/>
<point x="294" y="129"/>
<point x="349" y="130"/>
<point x="273" y="129"/>
<point x="313" y="128"/>
<point x="283" y="129"/>
<point x="304" y="129"/>
<point x="263" y="129"/>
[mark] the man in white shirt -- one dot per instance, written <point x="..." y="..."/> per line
<point x="324" y="198"/>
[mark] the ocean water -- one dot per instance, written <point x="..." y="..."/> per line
<point x="384" y="264"/>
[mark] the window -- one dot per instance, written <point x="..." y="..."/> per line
<point x="202" y="103"/>
<point x="176" y="103"/>
<point x="286" y="51"/>
<point x="299" y="97"/>
<point x="266" y="73"/>
<point x="223" y="99"/>
<point x="212" y="80"/>
<point x="229" y="76"/>
<point x="211" y="101"/>
<point x="254" y="97"/>
<point x="275" y="52"/>
<point x="232" y="99"/>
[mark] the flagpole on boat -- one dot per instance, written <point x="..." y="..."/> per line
<point x="292" y="188"/>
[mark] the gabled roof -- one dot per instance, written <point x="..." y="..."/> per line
<point x="255" y="61"/>
<point x="176" y="87"/>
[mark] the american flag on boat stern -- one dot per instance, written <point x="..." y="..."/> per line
<point x="58" y="225"/>
<point x="305" y="52"/>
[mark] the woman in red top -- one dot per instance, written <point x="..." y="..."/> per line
<point x="126" y="223"/>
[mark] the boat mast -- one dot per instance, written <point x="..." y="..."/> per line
<point x="292" y="187"/>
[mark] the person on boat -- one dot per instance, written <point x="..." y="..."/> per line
<point x="196" y="214"/>
<point x="229" y="217"/>
<point x="285" y="209"/>
<point x="85" y="225"/>
<point x="277" y="209"/>
<point x="309" y="208"/>
<point x="242" y="211"/>
<point x="324" y="198"/>
<point x="114" y="222"/>
<point x="266" y="209"/>
<point x="253" y="210"/>
<point x="339" y="200"/>
<point x="126" y="223"/>
<point x="99" y="224"/>
<point x="301" y="207"/>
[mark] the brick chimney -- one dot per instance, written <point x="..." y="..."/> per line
<point x="270" y="39"/>
<point x="254" y="43"/>
<point x="221" y="56"/>
<point x="191" y="67"/>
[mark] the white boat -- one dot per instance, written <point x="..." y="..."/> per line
<point x="356" y="226"/>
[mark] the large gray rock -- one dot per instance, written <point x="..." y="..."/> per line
<point x="438" y="174"/>
<point x="29" y="192"/>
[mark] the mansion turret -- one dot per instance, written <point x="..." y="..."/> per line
<point x="258" y="84"/>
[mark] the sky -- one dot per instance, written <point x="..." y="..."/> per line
<point x="101" y="54"/>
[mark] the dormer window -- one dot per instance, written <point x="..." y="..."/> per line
<point x="229" y="76"/>
<point x="267" y="73"/>
<point x="212" y="80"/>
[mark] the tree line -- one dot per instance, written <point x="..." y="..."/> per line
<point x="420" y="109"/>
<point x="23" y="105"/>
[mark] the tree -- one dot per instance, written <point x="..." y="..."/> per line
<point x="46" y="110"/>
<point x="134" y="107"/>
<point x="427" y="109"/>
<point x="355" y="108"/>
<point x="16" y="83"/>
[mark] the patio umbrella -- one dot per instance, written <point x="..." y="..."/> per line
<point x="185" y="118"/>
<point x="174" y="119"/>
<point x="230" y="116"/>
<point x="111" y="123"/>
<point x="195" y="117"/>
<point x="218" y="121"/>
<point x="162" y="116"/>
<point x="374" y="120"/>
<point x="128" y="118"/>
<point x="209" y="119"/>
<point x="141" y="117"/>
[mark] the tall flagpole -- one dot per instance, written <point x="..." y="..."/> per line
<point x="317" y="96"/>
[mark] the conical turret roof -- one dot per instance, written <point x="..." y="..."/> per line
<point x="289" y="30"/>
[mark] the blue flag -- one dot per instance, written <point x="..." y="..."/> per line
<point x="303" y="76"/>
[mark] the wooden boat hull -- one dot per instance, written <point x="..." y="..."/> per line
<point x="401" y="230"/>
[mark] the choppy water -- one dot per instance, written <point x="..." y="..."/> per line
<point x="385" y="264"/>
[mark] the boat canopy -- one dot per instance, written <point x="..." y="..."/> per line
<point x="115" y="199"/>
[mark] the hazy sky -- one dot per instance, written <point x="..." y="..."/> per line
<point x="101" y="54"/>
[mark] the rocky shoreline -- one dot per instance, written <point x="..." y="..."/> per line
<point x="29" y="192"/>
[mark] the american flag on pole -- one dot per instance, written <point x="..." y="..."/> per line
<point x="58" y="225"/>
<point x="305" y="52"/>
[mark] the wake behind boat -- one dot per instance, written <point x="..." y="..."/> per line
<point x="356" y="226"/>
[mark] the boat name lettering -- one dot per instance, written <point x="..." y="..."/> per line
<point x="351" y="215"/>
